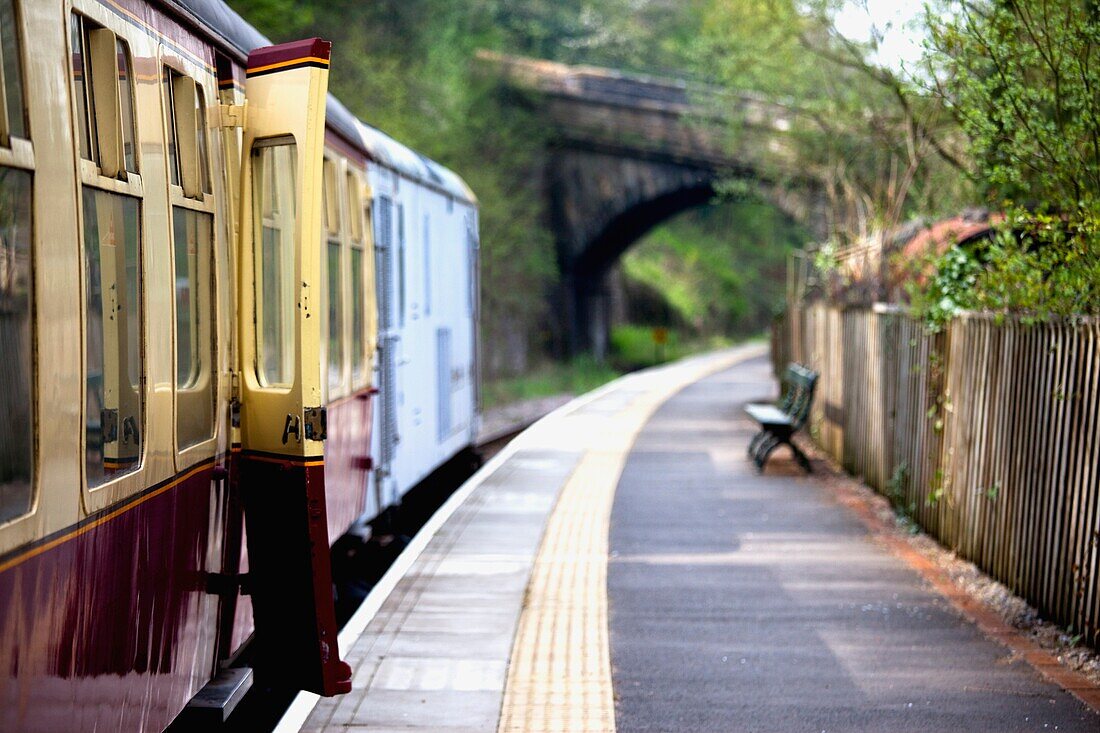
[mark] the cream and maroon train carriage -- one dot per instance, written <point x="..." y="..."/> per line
<point x="188" y="230"/>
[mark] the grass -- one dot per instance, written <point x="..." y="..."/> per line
<point x="632" y="348"/>
<point x="578" y="376"/>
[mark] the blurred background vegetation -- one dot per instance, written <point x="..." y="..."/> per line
<point x="408" y="67"/>
<point x="886" y="143"/>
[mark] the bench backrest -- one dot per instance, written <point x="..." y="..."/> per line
<point x="801" y="383"/>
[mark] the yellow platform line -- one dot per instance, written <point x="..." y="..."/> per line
<point x="559" y="677"/>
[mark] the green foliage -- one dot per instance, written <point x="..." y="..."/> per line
<point x="720" y="268"/>
<point x="896" y="487"/>
<point x="825" y="260"/>
<point x="936" y="491"/>
<point x="1043" y="266"/>
<point x="638" y="35"/>
<point x="950" y="289"/>
<point x="579" y="376"/>
<point x="1023" y="78"/>
<point x="1038" y="266"/>
<point x="282" y="19"/>
<point x="881" y="148"/>
<point x="406" y="67"/>
<point x="896" y="484"/>
<point x="633" y="346"/>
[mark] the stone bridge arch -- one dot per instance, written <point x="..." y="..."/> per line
<point x="628" y="152"/>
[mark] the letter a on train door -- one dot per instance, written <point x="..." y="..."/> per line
<point x="282" y="415"/>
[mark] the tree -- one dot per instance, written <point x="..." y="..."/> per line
<point x="882" y="150"/>
<point x="406" y="67"/>
<point x="1023" y="79"/>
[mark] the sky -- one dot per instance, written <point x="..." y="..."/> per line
<point x="894" y="22"/>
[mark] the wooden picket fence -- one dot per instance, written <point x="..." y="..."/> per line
<point x="986" y="434"/>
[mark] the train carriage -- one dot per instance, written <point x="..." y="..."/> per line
<point x="199" y="253"/>
<point x="425" y="221"/>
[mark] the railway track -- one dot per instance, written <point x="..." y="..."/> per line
<point x="490" y="445"/>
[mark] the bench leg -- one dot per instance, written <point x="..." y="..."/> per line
<point x="764" y="449"/>
<point x="755" y="442"/>
<point x="800" y="457"/>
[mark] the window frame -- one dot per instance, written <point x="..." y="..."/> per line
<point x="204" y="203"/>
<point x="130" y="184"/>
<point x="5" y="118"/>
<point x="172" y="70"/>
<point x="130" y="120"/>
<point x="91" y="169"/>
<point x="334" y="230"/>
<point x="359" y="239"/>
<point x="258" y="221"/>
<point x="17" y="152"/>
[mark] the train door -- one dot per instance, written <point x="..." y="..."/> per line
<point x="282" y="414"/>
<point x="199" y="245"/>
<point x="235" y="610"/>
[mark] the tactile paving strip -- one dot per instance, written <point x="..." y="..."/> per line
<point x="560" y="674"/>
<point x="559" y="677"/>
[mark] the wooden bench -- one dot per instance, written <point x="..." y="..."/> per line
<point x="779" y="423"/>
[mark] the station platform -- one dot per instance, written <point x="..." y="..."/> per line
<point x="621" y="566"/>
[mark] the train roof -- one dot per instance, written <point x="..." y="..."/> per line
<point x="412" y="164"/>
<point x="224" y="25"/>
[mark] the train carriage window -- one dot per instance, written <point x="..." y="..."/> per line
<point x="358" y="315"/>
<point x="334" y="270"/>
<point x="114" y="407"/>
<point x="335" y="320"/>
<point x="126" y="102"/>
<point x="16" y="344"/>
<point x="13" y="121"/>
<point x="193" y="236"/>
<point x="358" y="298"/>
<point x="188" y="150"/>
<point x="201" y="141"/>
<point x="170" y="120"/>
<point x="113" y="344"/>
<point x="84" y="123"/>
<point x="103" y="98"/>
<point x="274" y="176"/>
<point x="193" y="249"/>
<point x="383" y="274"/>
<point x="473" y="275"/>
<point x="330" y="201"/>
<point x="355" y="220"/>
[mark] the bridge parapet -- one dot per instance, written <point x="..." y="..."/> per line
<point x="670" y="116"/>
<point x="629" y="151"/>
<point x="609" y="86"/>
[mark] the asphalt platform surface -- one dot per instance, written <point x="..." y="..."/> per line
<point x="741" y="602"/>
